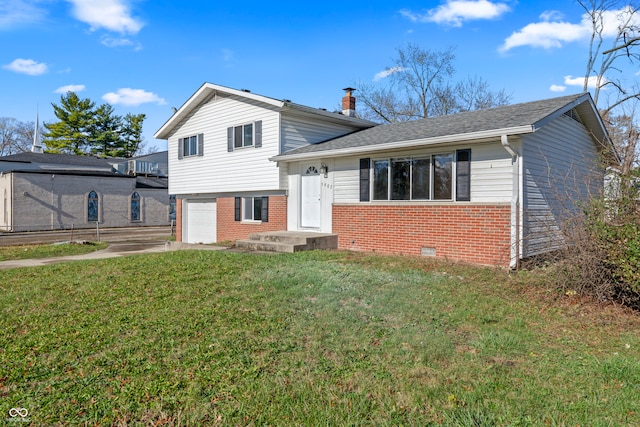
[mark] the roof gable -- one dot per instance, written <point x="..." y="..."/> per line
<point x="209" y="90"/>
<point x="468" y="126"/>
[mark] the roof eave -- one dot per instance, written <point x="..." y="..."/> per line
<point x="337" y="117"/>
<point x="194" y="100"/>
<point x="447" y="139"/>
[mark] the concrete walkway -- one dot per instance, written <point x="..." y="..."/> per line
<point x="115" y="249"/>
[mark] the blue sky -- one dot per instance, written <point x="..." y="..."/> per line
<point x="145" y="56"/>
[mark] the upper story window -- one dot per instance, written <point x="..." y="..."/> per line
<point x="417" y="178"/>
<point x="191" y="146"/>
<point x="245" y="135"/>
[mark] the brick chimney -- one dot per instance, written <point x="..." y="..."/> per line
<point x="349" y="103"/>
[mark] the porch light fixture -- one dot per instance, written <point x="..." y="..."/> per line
<point x="324" y="169"/>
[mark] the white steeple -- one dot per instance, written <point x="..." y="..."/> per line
<point x="37" y="145"/>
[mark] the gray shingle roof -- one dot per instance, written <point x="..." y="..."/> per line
<point x="510" y="116"/>
<point x="58" y="159"/>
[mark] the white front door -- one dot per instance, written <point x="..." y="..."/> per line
<point x="310" y="198"/>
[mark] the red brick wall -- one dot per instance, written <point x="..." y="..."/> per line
<point x="478" y="234"/>
<point x="229" y="229"/>
<point x="178" y="220"/>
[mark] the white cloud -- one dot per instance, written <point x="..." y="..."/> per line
<point x="119" y="42"/>
<point x="557" y="88"/>
<point x="613" y="18"/>
<point x="132" y="97"/>
<point x="70" y="88"/>
<point x="27" y="66"/>
<point x="552" y="32"/>
<point x="112" y="15"/>
<point x="579" y="81"/>
<point x="545" y="35"/>
<point x="386" y="73"/>
<point x="14" y="13"/>
<point x="455" y="12"/>
<point x="551" y="15"/>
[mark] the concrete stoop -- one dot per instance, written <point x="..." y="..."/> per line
<point x="288" y="241"/>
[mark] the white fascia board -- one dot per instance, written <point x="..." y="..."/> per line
<point x="194" y="100"/>
<point x="447" y="139"/>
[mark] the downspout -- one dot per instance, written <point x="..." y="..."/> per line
<point x="515" y="203"/>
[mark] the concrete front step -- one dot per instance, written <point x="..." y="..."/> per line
<point x="288" y="241"/>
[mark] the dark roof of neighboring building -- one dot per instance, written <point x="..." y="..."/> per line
<point x="105" y="173"/>
<point x="151" y="182"/>
<point x="519" y="118"/>
<point x="60" y="159"/>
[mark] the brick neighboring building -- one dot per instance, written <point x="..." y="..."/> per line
<point x="42" y="191"/>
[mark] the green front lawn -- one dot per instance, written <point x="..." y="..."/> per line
<point x="49" y="250"/>
<point x="317" y="338"/>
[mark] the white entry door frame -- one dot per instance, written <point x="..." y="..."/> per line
<point x="310" y="198"/>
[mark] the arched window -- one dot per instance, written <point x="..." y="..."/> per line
<point x="312" y="170"/>
<point x="92" y="206"/>
<point x="135" y="206"/>
<point x="172" y="207"/>
<point x="4" y="207"/>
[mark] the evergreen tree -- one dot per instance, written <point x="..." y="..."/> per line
<point x="84" y="129"/>
<point x="71" y="134"/>
<point x="131" y="134"/>
<point x="105" y="129"/>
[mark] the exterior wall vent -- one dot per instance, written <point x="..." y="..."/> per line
<point x="430" y="252"/>
<point x="574" y="115"/>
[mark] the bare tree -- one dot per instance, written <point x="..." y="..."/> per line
<point x="420" y="84"/>
<point x="7" y="135"/>
<point x="615" y="21"/>
<point x="25" y="133"/>
<point x="15" y="136"/>
<point x="625" y="134"/>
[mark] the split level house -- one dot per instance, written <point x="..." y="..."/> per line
<point x="44" y="191"/>
<point x="488" y="187"/>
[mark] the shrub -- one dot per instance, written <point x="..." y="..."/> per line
<point x="601" y="256"/>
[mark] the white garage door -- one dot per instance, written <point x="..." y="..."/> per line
<point x="201" y="221"/>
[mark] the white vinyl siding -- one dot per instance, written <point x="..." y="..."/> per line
<point x="559" y="173"/>
<point x="298" y="132"/>
<point x="218" y="170"/>
<point x="346" y="179"/>
<point x="491" y="173"/>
